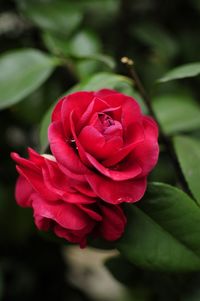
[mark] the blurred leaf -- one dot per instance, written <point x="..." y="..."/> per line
<point x="104" y="80"/>
<point x="177" y="113"/>
<point x="84" y="46"/>
<point x="188" y="152"/>
<point x="85" y="68"/>
<point x="57" y="16"/>
<point x="163" y="232"/>
<point x="22" y="72"/>
<point x="189" y="70"/>
<point x="56" y="44"/>
<point x="157" y="38"/>
<point x="104" y="58"/>
<point x="85" y="43"/>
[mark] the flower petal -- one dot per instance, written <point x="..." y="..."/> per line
<point x="113" y="223"/>
<point x="56" y="114"/>
<point x="147" y="152"/>
<point x="23" y="192"/>
<point x="126" y="171"/>
<point x="68" y="216"/>
<point x="65" y="155"/>
<point x="116" y="192"/>
<point x="77" y="102"/>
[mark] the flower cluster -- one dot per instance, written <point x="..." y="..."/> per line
<point x="103" y="148"/>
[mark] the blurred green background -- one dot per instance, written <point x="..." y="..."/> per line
<point x="85" y="40"/>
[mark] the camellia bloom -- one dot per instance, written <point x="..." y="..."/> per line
<point x="103" y="140"/>
<point x="68" y="207"/>
<point x="103" y="149"/>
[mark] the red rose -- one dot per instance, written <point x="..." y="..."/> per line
<point x="66" y="206"/>
<point x="103" y="139"/>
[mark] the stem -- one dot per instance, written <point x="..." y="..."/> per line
<point x="163" y="137"/>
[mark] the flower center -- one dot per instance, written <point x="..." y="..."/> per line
<point x="106" y="120"/>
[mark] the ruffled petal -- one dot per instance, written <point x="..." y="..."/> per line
<point x="113" y="223"/>
<point x="130" y="108"/>
<point x="68" y="216"/>
<point x="61" y="185"/>
<point x="116" y="192"/>
<point x="146" y="153"/>
<point x="105" y="92"/>
<point x="77" y="102"/>
<point x="23" y="191"/>
<point x="125" y="171"/>
<point x="66" y="157"/>
<point x="56" y="114"/>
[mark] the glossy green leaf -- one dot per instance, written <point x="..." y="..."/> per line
<point x="189" y="70"/>
<point x="163" y="231"/>
<point x="188" y="152"/>
<point x="22" y="72"/>
<point x="56" y="16"/>
<point x="177" y="113"/>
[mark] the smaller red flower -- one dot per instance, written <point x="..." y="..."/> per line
<point x="66" y="206"/>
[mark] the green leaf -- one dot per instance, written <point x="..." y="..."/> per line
<point x="83" y="47"/>
<point x="56" y="44"/>
<point x="177" y="113"/>
<point x="104" y="58"/>
<point x="56" y="16"/>
<point x="163" y="231"/>
<point x="189" y="70"/>
<point x="188" y="152"/>
<point x="84" y="44"/>
<point x="22" y="72"/>
<point x="104" y="80"/>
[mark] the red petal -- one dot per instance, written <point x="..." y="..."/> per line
<point x="96" y="105"/>
<point x="116" y="192"/>
<point x="59" y="184"/>
<point x="92" y="213"/>
<point x="23" y="192"/>
<point x="104" y="92"/>
<point x="146" y="153"/>
<point x="66" y="215"/>
<point x="113" y="223"/>
<point x="130" y="108"/>
<point x="94" y="143"/>
<point x="65" y="155"/>
<point x="77" y="102"/>
<point x="127" y="171"/>
<point x="56" y="114"/>
<point x="37" y="183"/>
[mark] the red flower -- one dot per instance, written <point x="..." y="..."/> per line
<point x="66" y="206"/>
<point x="103" y="149"/>
<point x="103" y="140"/>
